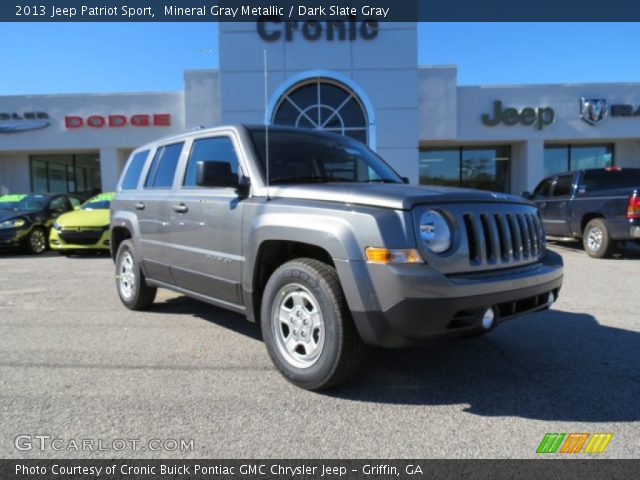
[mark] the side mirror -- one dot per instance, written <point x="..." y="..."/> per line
<point x="527" y="194"/>
<point x="405" y="179"/>
<point x="216" y="174"/>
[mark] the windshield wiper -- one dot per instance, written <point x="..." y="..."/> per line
<point x="306" y="179"/>
<point x="381" y="180"/>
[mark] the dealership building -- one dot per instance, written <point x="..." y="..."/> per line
<point x="360" y="79"/>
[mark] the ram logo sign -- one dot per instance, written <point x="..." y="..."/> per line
<point x="574" y="443"/>
<point x="593" y="110"/>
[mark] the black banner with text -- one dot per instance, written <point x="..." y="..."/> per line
<point x="546" y="469"/>
<point x="316" y="10"/>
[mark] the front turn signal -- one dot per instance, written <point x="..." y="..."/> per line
<point x="390" y="255"/>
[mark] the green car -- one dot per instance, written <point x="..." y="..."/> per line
<point x="84" y="229"/>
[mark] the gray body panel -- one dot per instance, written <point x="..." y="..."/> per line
<point x="206" y="242"/>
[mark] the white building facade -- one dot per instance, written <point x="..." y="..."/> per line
<point x="358" y="79"/>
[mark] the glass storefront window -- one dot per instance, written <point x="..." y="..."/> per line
<point x="486" y="167"/>
<point x="440" y="167"/>
<point x="556" y="160"/>
<point x="591" y="156"/>
<point x="78" y="174"/>
<point x="38" y="176"/>
<point x="562" y="158"/>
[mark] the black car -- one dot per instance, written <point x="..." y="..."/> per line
<point x="601" y="206"/>
<point x="25" y="219"/>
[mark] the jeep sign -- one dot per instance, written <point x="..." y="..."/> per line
<point x="539" y="117"/>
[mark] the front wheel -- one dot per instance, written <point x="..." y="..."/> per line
<point x="37" y="241"/>
<point x="133" y="290"/>
<point x="596" y="239"/>
<point x="307" y="326"/>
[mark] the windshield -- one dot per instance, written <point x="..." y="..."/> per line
<point x="102" y="201"/>
<point x="301" y="157"/>
<point x="23" y="202"/>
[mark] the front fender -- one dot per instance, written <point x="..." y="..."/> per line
<point x="342" y="232"/>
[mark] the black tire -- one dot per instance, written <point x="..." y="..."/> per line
<point x="597" y="240"/>
<point x="37" y="241"/>
<point x="132" y="287"/>
<point x="333" y="350"/>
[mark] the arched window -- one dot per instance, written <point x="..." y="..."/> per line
<point x="323" y="104"/>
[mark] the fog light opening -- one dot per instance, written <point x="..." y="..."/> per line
<point x="488" y="319"/>
<point x="551" y="299"/>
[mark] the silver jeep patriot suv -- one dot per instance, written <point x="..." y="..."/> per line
<point x="335" y="251"/>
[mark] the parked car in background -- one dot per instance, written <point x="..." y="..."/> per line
<point x="84" y="229"/>
<point x="25" y="219"/>
<point x="601" y="206"/>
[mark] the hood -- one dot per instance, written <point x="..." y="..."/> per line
<point x="85" y="218"/>
<point x="396" y="196"/>
<point x="10" y="214"/>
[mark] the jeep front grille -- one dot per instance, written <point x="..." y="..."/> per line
<point x="495" y="238"/>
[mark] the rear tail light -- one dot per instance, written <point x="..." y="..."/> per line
<point x="613" y="169"/>
<point x="633" y="210"/>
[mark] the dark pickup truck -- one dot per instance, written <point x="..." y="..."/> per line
<point x="600" y="206"/>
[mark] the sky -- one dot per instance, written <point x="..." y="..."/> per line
<point x="138" y="57"/>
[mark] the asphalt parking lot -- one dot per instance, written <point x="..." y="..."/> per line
<point x="75" y="364"/>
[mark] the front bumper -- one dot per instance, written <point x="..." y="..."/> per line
<point x="13" y="237"/>
<point x="89" y="239"/>
<point x="416" y="303"/>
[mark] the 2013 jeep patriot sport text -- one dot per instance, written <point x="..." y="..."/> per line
<point x="334" y="253"/>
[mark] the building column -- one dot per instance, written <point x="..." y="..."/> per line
<point x="527" y="165"/>
<point x="112" y="161"/>
<point x="14" y="173"/>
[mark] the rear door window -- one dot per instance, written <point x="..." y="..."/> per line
<point x="132" y="175"/>
<point x="563" y="186"/>
<point x="163" y="167"/>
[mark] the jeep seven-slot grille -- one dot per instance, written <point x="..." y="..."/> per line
<point x="503" y="237"/>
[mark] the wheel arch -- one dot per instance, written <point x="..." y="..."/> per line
<point x="273" y="253"/>
<point x="587" y="217"/>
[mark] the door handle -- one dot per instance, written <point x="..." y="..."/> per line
<point x="182" y="208"/>
<point x="139" y="205"/>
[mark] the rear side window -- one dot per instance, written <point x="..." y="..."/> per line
<point x="59" y="204"/>
<point x="75" y="202"/>
<point x="218" y="149"/>
<point x="608" y="180"/>
<point x="132" y="175"/>
<point x="163" y="167"/>
<point x="564" y="186"/>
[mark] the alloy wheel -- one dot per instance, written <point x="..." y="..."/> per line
<point x="298" y="326"/>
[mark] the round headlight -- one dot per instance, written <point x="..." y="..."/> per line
<point x="435" y="231"/>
